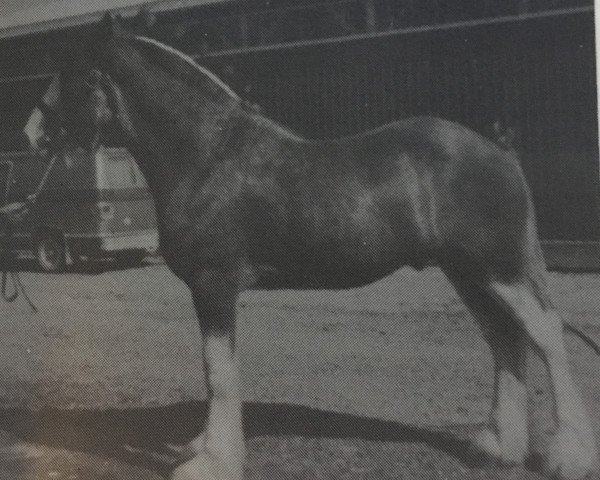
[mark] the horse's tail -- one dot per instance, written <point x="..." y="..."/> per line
<point x="536" y="273"/>
<point x="582" y="336"/>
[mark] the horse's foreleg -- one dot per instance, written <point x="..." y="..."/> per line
<point x="218" y="453"/>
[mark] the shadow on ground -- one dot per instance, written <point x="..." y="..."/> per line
<point x="123" y="434"/>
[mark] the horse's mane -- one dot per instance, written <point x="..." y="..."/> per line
<point x="173" y="60"/>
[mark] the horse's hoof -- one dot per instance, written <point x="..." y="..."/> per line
<point x="187" y="451"/>
<point x="570" y="456"/>
<point x="486" y="450"/>
<point x="485" y="447"/>
<point x="205" y="466"/>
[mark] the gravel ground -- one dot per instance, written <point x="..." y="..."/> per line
<point x="384" y="382"/>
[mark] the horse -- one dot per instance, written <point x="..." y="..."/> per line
<point x="244" y="203"/>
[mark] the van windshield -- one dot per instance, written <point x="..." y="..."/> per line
<point x="117" y="169"/>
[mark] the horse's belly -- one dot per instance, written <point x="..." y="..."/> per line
<point x="346" y="277"/>
<point x="337" y="264"/>
<point x="334" y="248"/>
<point x="330" y="277"/>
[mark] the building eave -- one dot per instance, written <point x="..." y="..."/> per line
<point x="24" y="23"/>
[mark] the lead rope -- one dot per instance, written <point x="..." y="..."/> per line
<point x="18" y="287"/>
<point x="9" y="271"/>
<point x="20" y="210"/>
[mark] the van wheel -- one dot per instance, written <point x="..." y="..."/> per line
<point x="50" y="252"/>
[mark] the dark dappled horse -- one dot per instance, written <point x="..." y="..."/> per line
<point x="244" y="203"/>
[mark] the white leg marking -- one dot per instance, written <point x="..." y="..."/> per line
<point x="224" y="429"/>
<point x="509" y="413"/>
<point x="507" y="439"/>
<point x="34" y="128"/>
<point x="219" y="450"/>
<point x="573" y="453"/>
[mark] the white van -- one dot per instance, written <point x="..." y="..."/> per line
<point x="92" y="205"/>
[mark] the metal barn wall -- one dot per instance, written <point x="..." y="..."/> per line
<point x="537" y="75"/>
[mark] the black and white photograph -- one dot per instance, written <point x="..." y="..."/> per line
<point x="299" y="240"/>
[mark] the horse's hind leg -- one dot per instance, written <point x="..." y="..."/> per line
<point x="506" y="439"/>
<point x="516" y="310"/>
<point x="572" y="452"/>
<point x="218" y="453"/>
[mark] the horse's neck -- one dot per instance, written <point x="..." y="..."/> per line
<point x="169" y="95"/>
<point x="181" y="120"/>
<point x="193" y="122"/>
<point x="171" y="129"/>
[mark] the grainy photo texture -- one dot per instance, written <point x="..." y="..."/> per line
<point x="299" y="239"/>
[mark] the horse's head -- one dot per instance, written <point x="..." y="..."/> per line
<point x="82" y="100"/>
<point x="137" y="88"/>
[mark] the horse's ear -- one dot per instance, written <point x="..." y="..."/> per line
<point x="145" y="19"/>
<point x="110" y="26"/>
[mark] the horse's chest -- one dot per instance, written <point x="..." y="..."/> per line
<point x="200" y="219"/>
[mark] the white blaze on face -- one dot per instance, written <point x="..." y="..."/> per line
<point x="35" y="128"/>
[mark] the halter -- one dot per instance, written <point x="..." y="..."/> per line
<point x="98" y="80"/>
<point x="95" y="80"/>
<point x="13" y="213"/>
